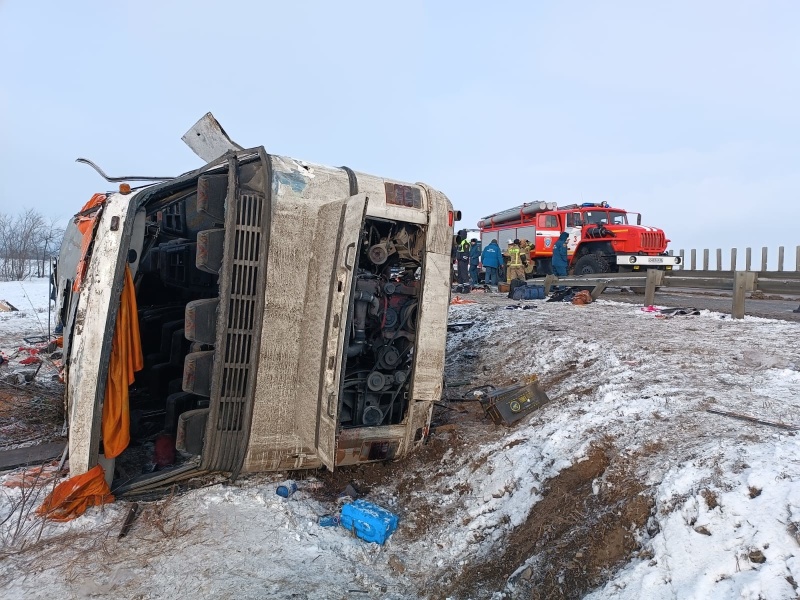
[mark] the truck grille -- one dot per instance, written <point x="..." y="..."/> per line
<point x="653" y="241"/>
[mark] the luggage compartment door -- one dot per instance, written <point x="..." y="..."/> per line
<point x="346" y="218"/>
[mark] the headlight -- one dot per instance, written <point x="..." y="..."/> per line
<point x="632" y="259"/>
<point x="677" y="260"/>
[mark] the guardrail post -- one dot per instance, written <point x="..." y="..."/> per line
<point x="748" y="255"/>
<point x="705" y="259"/>
<point x="598" y="289"/>
<point x="653" y="279"/>
<point x="739" y="286"/>
<point x="682" y="254"/>
<point x="549" y="280"/>
<point x="763" y="258"/>
<point x="797" y="259"/>
<point x="780" y="258"/>
<point x="694" y="259"/>
<point x="733" y="259"/>
<point x="719" y="259"/>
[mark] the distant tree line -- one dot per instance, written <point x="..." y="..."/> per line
<point x="27" y="241"/>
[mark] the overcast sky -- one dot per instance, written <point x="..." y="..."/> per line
<point x="688" y="112"/>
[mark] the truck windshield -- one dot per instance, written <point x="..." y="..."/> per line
<point x="602" y="217"/>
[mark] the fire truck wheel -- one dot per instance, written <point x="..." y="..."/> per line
<point x="591" y="264"/>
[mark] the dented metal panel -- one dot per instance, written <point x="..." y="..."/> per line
<point x="208" y="139"/>
<point x="93" y="329"/>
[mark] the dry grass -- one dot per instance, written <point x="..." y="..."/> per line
<point x="29" y="543"/>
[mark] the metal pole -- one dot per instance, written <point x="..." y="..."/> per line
<point x="719" y="259"/>
<point x="705" y="259"/>
<point x="733" y="259"/>
<point x="49" y="298"/>
<point x="694" y="259"/>
<point x="763" y="258"/>
<point x="780" y="258"/>
<point x="682" y="254"/>
<point x="748" y="255"/>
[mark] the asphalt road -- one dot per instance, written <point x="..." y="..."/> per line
<point x="771" y="307"/>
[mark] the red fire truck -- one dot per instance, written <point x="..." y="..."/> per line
<point x="602" y="239"/>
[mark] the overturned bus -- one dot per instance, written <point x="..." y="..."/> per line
<point x="283" y="315"/>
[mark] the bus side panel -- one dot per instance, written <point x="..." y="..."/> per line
<point x="90" y="347"/>
<point x="426" y="385"/>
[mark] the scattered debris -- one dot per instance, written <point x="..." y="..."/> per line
<point x="459" y="326"/>
<point x="350" y="491"/>
<point x="460" y="300"/>
<point x="329" y="521"/>
<point x="582" y="297"/>
<point x="562" y="295"/>
<point x="680" y="311"/>
<point x="396" y="565"/>
<point x="446" y="426"/>
<point x="133" y="512"/>
<point x="286" y="489"/>
<point x="6" y="306"/>
<point x="509" y="405"/>
<point x="368" y="521"/>
<point x="742" y="417"/>
<point x="520" y="306"/>
<point x="10" y="459"/>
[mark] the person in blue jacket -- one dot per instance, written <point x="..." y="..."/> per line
<point x="492" y="258"/>
<point x="560" y="261"/>
<point x="474" y="260"/>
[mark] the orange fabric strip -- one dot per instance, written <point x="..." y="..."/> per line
<point x="72" y="497"/>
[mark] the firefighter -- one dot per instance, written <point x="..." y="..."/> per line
<point x="515" y="269"/>
<point x="463" y="260"/>
<point x="491" y="258"/>
<point x="474" y="260"/>
<point x="527" y="248"/>
<point x="560" y="261"/>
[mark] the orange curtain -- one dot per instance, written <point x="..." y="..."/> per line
<point x="72" y="497"/>
<point x="126" y="359"/>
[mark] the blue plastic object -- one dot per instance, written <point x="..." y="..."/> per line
<point x="368" y="521"/>
<point x="328" y="521"/>
<point x="287" y="489"/>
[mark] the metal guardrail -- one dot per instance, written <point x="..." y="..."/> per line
<point x="691" y="260"/>
<point x="739" y="282"/>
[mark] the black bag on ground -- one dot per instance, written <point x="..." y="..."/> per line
<point x="565" y="295"/>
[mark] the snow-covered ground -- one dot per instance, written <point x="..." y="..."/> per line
<point x="30" y="298"/>
<point x="721" y="496"/>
